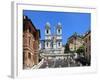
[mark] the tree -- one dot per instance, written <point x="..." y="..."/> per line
<point x="66" y="48"/>
<point x="80" y="50"/>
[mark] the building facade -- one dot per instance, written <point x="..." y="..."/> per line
<point x="53" y="41"/>
<point x="30" y="43"/>
<point x="74" y="42"/>
<point x="87" y="44"/>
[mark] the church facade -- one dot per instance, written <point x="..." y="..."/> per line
<point x="53" y="39"/>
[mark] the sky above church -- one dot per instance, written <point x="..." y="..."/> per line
<point x="71" y="22"/>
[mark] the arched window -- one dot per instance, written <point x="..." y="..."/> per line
<point x="29" y="55"/>
<point x="59" y="43"/>
<point x="47" y="31"/>
<point x="58" y="30"/>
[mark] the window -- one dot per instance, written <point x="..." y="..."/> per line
<point x="47" y="31"/>
<point x="29" y="55"/>
<point x="86" y="40"/>
<point x="47" y="44"/>
<point x="86" y="49"/>
<point x="59" y="43"/>
<point x="58" y="30"/>
<point x="89" y="38"/>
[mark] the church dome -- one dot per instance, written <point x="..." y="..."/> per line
<point x="59" y="24"/>
<point x="47" y="25"/>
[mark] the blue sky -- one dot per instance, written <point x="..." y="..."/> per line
<point x="71" y="21"/>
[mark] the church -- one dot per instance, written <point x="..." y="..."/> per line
<point x="53" y="39"/>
